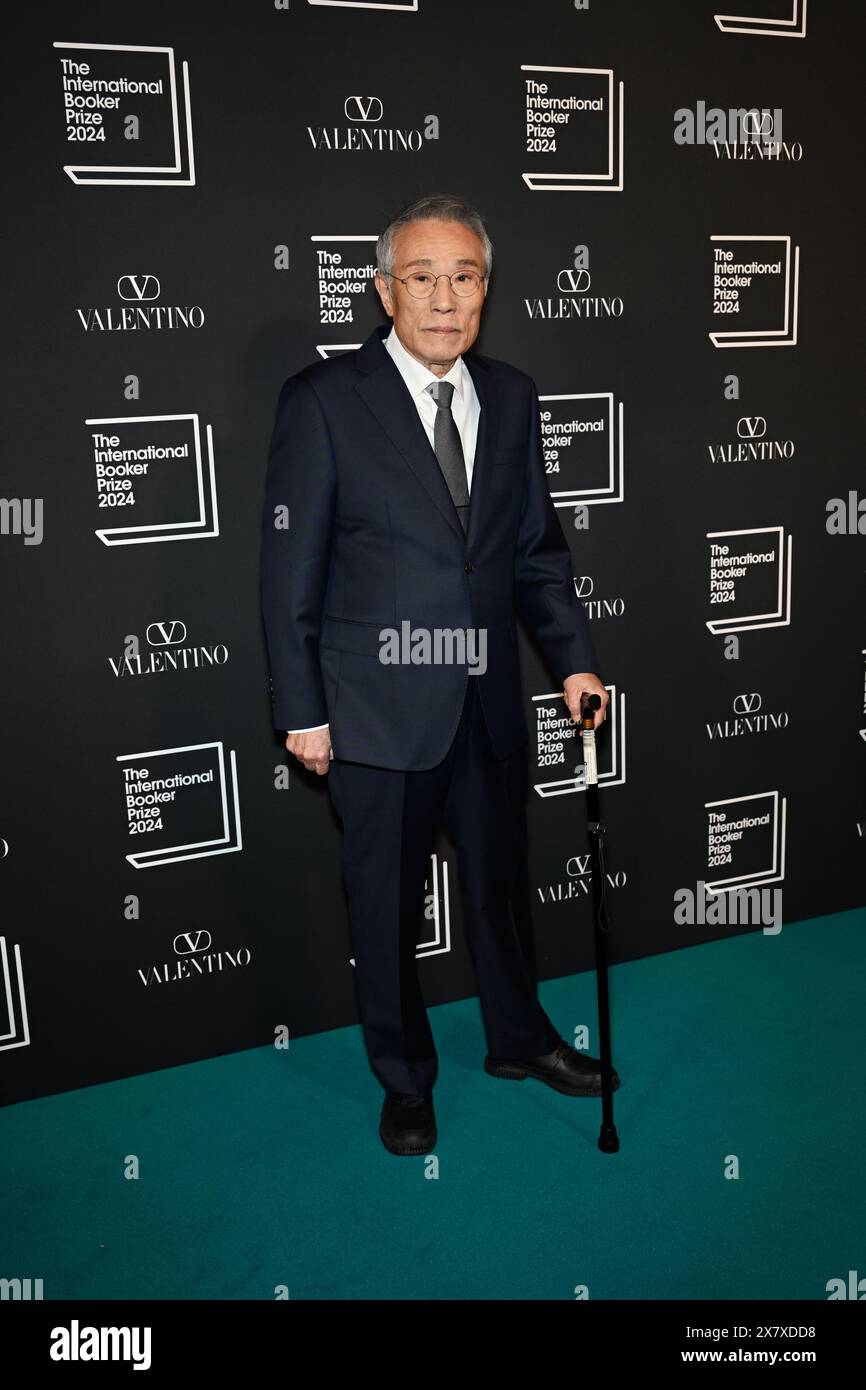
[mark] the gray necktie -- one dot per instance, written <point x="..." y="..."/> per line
<point x="449" y="450"/>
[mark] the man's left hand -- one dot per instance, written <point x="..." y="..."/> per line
<point x="586" y="682"/>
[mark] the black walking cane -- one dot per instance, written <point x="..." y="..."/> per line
<point x="608" y="1139"/>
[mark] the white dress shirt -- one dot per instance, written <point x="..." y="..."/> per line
<point x="465" y="407"/>
<point x="464" y="402"/>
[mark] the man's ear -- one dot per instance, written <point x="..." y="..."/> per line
<point x="383" y="290"/>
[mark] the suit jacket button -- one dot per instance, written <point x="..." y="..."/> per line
<point x="469" y="567"/>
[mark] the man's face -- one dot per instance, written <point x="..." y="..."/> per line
<point x="438" y="329"/>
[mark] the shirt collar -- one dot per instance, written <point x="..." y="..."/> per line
<point x="415" y="374"/>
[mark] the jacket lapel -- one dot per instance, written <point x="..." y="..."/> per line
<point x="384" y="392"/>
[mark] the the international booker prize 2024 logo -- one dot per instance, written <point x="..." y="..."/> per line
<point x="573" y="137"/>
<point x="750" y="573"/>
<point x="180" y="803"/>
<point x="152" y="478"/>
<point x="745" y="841"/>
<point x="344" y="268"/>
<point x="582" y="444"/>
<point x="124" y="120"/>
<point x="558" y="761"/>
<point x="756" y="291"/>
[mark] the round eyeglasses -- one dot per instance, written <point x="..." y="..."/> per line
<point x="422" y="283"/>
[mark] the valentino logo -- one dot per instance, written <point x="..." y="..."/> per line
<point x="140" y="288"/>
<point x="364" y="130"/>
<point x="572" y="281"/>
<point x="573" y="301"/>
<point x="584" y="587"/>
<point x="747" y="718"/>
<point x="363" y="108"/>
<point x="757" y="123"/>
<point x="196" y="960"/>
<point x="579" y="881"/>
<point x="189" y="943"/>
<point x="166" y="652"/>
<point x="751" y="427"/>
<point x="747" y="704"/>
<point x="735" y="132"/>
<point x="753" y="446"/>
<point x="168" y="634"/>
<point x="139" y="310"/>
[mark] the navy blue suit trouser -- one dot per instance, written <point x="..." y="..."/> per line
<point x="389" y="822"/>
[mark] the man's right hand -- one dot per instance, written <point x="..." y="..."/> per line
<point x="313" y="749"/>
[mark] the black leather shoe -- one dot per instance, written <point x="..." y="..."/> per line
<point x="408" y="1124"/>
<point x="565" y="1069"/>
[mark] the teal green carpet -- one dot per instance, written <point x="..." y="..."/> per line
<point x="265" y="1169"/>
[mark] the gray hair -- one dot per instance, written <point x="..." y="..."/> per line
<point x="446" y="208"/>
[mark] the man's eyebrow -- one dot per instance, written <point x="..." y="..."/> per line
<point x="425" y="260"/>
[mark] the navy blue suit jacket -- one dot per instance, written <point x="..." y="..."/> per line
<point x="373" y="541"/>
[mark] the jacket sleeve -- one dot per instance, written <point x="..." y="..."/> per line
<point x="297" y="519"/>
<point x="544" y="589"/>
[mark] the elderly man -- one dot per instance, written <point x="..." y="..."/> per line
<point x="407" y="508"/>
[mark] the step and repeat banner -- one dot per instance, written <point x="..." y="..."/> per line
<point x="194" y="194"/>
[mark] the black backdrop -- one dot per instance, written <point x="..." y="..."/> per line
<point x="158" y="292"/>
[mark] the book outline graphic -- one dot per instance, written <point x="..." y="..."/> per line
<point x="776" y="872"/>
<point x="13" y="992"/>
<point x="75" y="170"/>
<point x="327" y="350"/>
<point x="615" y="774"/>
<point x="614" y="491"/>
<point x="441" y="942"/>
<point x="410" y="5"/>
<point x="793" y="28"/>
<point x="228" y="843"/>
<point x="607" y="181"/>
<point x="204" y="526"/>
<point x="781" y="616"/>
<point x="786" y="336"/>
